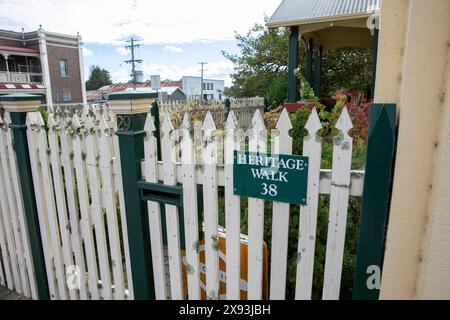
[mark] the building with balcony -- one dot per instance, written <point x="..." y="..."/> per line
<point x="42" y="62"/>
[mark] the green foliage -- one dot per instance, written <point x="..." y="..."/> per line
<point x="261" y="66"/>
<point x="276" y="92"/>
<point x="98" y="78"/>
<point x="349" y="68"/>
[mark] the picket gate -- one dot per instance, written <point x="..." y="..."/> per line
<point x="183" y="164"/>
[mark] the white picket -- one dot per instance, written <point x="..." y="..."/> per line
<point x="69" y="178"/>
<point x="233" y="141"/>
<point x="190" y="211"/>
<point x="5" y="255"/>
<point x="51" y="207"/>
<point x="86" y="221"/>
<point x="97" y="210"/>
<point x="280" y="217"/>
<point x="172" y="221"/>
<point x="2" y="279"/>
<point x="337" y="219"/>
<point x="109" y="204"/>
<point x="156" y="234"/>
<point x="59" y="195"/>
<point x="257" y="143"/>
<point x="6" y="212"/>
<point x="32" y="136"/>
<point x="118" y="190"/>
<point x="210" y="209"/>
<point x="312" y="148"/>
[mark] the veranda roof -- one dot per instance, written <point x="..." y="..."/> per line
<point x="297" y="12"/>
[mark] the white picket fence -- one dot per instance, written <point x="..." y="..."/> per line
<point x="181" y="164"/>
<point x="16" y="265"/>
<point x="77" y="180"/>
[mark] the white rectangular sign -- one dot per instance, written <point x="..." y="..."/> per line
<point x="156" y="82"/>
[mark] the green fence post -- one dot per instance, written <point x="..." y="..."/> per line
<point x="155" y="114"/>
<point x="131" y="109"/>
<point x="375" y="201"/>
<point x="18" y="105"/>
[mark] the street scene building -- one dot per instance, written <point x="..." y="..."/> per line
<point x="212" y="89"/>
<point x="44" y="63"/>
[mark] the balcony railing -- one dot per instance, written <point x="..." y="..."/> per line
<point x="20" y="77"/>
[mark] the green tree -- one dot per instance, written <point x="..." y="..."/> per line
<point x="98" y="78"/>
<point x="261" y="67"/>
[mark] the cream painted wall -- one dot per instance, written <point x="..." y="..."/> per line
<point x="434" y="275"/>
<point x="411" y="71"/>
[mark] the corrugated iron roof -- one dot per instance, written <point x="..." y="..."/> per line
<point x="18" y="49"/>
<point x="294" y="12"/>
<point x="119" y="87"/>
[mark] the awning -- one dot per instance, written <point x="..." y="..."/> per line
<point x="16" y="49"/>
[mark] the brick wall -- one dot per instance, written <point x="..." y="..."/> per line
<point x="60" y="84"/>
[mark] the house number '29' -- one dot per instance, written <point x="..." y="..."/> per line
<point x="270" y="189"/>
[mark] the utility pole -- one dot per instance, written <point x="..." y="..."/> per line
<point x="133" y="61"/>
<point x="201" y="81"/>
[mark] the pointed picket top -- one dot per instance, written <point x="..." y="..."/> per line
<point x="89" y="123"/>
<point x="313" y="124"/>
<point x="58" y="111"/>
<point x="167" y="125"/>
<point x="76" y="124"/>
<point x="64" y="121"/>
<point x="31" y="119"/>
<point x="258" y="122"/>
<point x="231" y="124"/>
<point x="84" y="113"/>
<point x="103" y="124"/>
<point x="149" y="126"/>
<point x="51" y="122"/>
<point x="186" y="124"/>
<point x="208" y="123"/>
<point x="344" y="123"/>
<point x="50" y="109"/>
<point x="39" y="120"/>
<point x="284" y="123"/>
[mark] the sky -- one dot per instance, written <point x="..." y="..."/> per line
<point x="175" y="35"/>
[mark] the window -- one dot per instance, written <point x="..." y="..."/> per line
<point x="67" y="96"/>
<point x="63" y="68"/>
<point x="212" y="86"/>
<point x="204" y="86"/>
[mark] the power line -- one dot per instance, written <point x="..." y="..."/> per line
<point x="133" y="61"/>
<point x="201" y="81"/>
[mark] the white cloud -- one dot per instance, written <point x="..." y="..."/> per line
<point x="173" y="49"/>
<point x="122" y="51"/>
<point x="113" y="21"/>
<point x="87" y="52"/>
<point x="214" y="70"/>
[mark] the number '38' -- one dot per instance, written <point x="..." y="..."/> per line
<point x="271" y="190"/>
